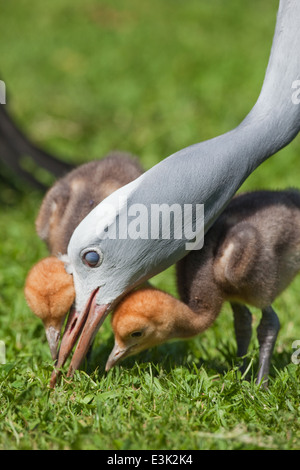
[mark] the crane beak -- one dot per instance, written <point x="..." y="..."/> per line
<point x="83" y="325"/>
<point x="96" y="317"/>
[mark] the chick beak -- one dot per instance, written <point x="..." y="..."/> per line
<point x="116" y="355"/>
<point x="53" y="337"/>
<point x="83" y="325"/>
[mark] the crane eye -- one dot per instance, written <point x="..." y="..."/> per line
<point x="136" y="334"/>
<point x="92" y="258"/>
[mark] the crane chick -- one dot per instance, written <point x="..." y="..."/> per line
<point x="250" y="255"/>
<point x="49" y="291"/>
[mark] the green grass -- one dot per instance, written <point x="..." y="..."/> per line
<point x="147" y="77"/>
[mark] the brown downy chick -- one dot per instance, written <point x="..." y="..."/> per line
<point x="250" y="255"/>
<point x="49" y="292"/>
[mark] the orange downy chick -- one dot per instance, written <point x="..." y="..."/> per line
<point x="146" y="318"/>
<point x="49" y="291"/>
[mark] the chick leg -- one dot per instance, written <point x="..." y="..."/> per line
<point x="243" y="329"/>
<point x="267" y="332"/>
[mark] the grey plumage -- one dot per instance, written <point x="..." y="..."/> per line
<point x="207" y="173"/>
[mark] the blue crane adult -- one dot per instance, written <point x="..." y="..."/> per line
<point x="106" y="266"/>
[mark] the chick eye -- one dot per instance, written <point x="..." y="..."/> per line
<point x="136" y="334"/>
<point x="92" y="258"/>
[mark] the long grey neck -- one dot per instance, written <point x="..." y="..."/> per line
<point x="276" y="114"/>
<point x="211" y="172"/>
<point x="271" y="124"/>
<point x="207" y="173"/>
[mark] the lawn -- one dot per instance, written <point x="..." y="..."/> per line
<point x="84" y="78"/>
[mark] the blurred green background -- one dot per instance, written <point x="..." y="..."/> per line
<point x="85" y="78"/>
<point x="150" y="78"/>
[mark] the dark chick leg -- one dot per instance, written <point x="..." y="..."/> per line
<point x="267" y="332"/>
<point x="243" y="329"/>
